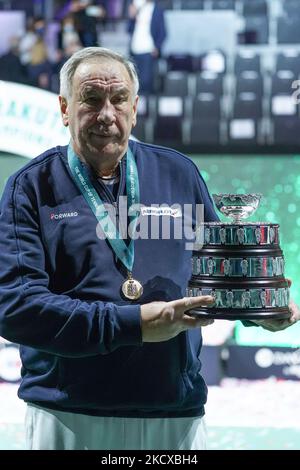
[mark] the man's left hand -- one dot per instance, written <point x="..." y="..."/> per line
<point x="277" y="325"/>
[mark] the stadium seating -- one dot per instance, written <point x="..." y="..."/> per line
<point x="234" y="95"/>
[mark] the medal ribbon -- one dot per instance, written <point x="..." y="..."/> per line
<point x="80" y="174"/>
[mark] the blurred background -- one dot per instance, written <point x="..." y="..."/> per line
<point x="219" y="83"/>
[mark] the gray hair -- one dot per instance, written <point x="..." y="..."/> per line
<point x="88" y="53"/>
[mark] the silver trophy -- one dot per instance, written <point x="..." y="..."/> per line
<point x="240" y="264"/>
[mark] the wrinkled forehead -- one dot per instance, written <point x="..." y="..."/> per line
<point x="102" y="74"/>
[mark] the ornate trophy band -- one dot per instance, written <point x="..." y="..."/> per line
<point x="255" y="303"/>
<point x="217" y="233"/>
<point x="240" y="264"/>
<point x="255" y="266"/>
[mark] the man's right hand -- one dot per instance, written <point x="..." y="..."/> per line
<point x="162" y="321"/>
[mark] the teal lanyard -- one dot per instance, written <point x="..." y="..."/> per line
<point x="80" y="174"/>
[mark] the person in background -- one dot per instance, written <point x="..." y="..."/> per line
<point x="39" y="68"/>
<point x="148" y="32"/>
<point x="68" y="42"/>
<point x="87" y="14"/>
<point x="68" y="34"/>
<point x="27" y="42"/>
<point x="11" y="68"/>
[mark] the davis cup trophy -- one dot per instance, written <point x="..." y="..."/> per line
<point x="240" y="264"/>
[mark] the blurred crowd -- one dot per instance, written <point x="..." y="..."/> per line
<point x="79" y="23"/>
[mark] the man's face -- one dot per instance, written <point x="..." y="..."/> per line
<point x="101" y="110"/>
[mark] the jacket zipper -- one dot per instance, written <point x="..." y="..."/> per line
<point x="110" y="197"/>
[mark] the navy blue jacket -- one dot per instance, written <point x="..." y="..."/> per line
<point x="157" y="27"/>
<point x="60" y="294"/>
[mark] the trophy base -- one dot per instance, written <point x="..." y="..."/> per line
<point x="246" y="314"/>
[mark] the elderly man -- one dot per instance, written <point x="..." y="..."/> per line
<point x="110" y="357"/>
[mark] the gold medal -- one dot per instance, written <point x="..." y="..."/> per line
<point x="131" y="288"/>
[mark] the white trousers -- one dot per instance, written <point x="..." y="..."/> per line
<point x="57" y="430"/>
